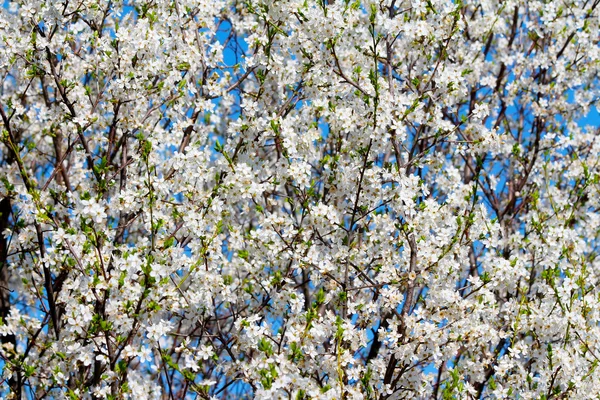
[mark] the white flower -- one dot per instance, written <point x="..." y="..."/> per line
<point x="158" y="330"/>
<point x="94" y="210"/>
<point x="205" y="352"/>
<point x="145" y="354"/>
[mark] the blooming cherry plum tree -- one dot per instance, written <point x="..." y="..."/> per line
<point x="299" y="199"/>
